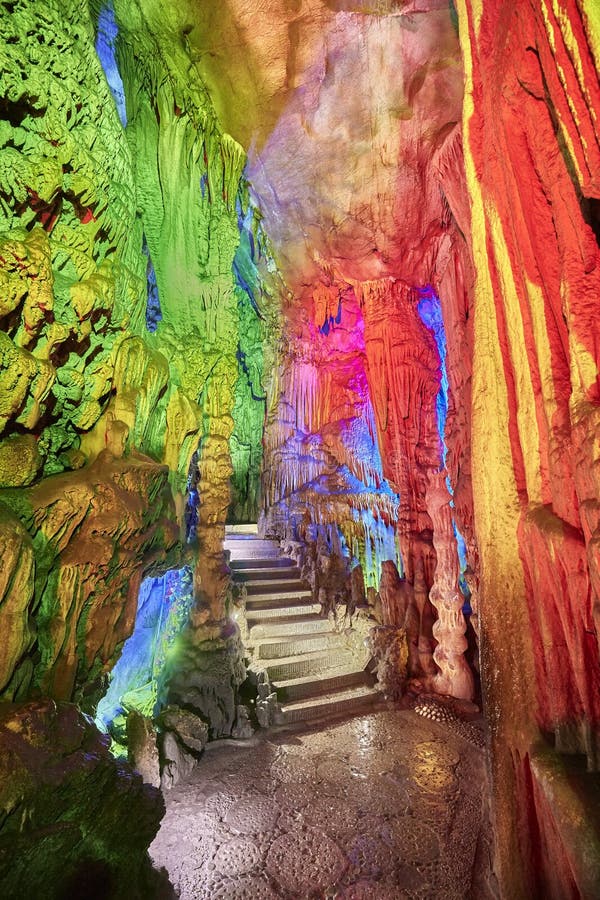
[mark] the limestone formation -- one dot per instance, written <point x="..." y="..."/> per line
<point x="530" y="134"/>
<point x="92" y="534"/>
<point x="396" y="595"/>
<point x="95" y="228"/>
<point x="332" y="266"/>
<point x="189" y="729"/>
<point x="142" y="749"/>
<point x="455" y="677"/>
<point x="206" y="677"/>
<point x="389" y="646"/>
<point x="176" y="761"/>
<point x="108" y="381"/>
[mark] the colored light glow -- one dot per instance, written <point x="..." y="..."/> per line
<point x="138" y="679"/>
<point x="105" y="48"/>
<point x="153" y="310"/>
<point x="462" y="559"/>
<point x="462" y="548"/>
<point x="381" y="544"/>
<point x="430" y="311"/>
<point x="330" y="321"/>
<point x="249" y="405"/>
<point x="333" y="459"/>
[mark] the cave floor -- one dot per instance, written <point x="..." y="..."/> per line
<point x="383" y="806"/>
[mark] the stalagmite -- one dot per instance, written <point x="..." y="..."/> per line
<point x="455" y="677"/>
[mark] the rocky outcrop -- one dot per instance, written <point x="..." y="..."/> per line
<point x="389" y="647"/>
<point x="75" y="821"/>
<point x="142" y="749"/>
<point x="206" y="676"/>
<point x="183" y="736"/>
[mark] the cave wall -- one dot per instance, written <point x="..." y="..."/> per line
<point x="124" y="283"/>
<point x="132" y="346"/>
<point x="533" y="168"/>
<point x="144" y="343"/>
<point x="78" y="526"/>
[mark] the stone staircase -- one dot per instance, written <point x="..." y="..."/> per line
<point x="313" y="668"/>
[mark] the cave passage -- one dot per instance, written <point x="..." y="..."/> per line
<point x="299" y="448"/>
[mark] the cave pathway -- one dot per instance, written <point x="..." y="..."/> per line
<point x="315" y="667"/>
<point x="382" y="806"/>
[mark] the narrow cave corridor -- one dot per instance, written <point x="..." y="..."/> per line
<point x="299" y="449"/>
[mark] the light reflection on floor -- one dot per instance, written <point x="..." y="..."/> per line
<point x="384" y="807"/>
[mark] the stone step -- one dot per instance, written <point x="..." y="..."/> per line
<point x="249" y="553"/>
<point x="336" y="704"/>
<point x="248" y="528"/>
<point x="275" y="586"/>
<point x="294" y="644"/>
<point x="244" y="576"/>
<point x="306" y="686"/>
<point x="277" y="597"/>
<point x="272" y="601"/>
<point x="301" y="608"/>
<point x="248" y="540"/>
<point x="313" y="662"/>
<point x="289" y="625"/>
<point x="252" y="563"/>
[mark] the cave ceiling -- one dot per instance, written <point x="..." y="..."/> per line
<point x="342" y="108"/>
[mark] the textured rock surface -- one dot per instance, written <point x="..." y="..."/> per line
<point x="121" y="297"/>
<point x="64" y="800"/>
<point x="533" y="167"/>
<point x="363" y="197"/>
<point x="142" y="750"/>
<point x="384" y="806"/>
<point x="81" y="592"/>
<point x="182" y="740"/>
<point x="206" y="676"/>
<point x="419" y="287"/>
<point x="389" y="647"/>
<point x="124" y="280"/>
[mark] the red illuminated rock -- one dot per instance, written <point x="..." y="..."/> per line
<point x="532" y="157"/>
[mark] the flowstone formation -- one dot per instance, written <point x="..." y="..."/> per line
<point x="71" y="573"/>
<point x="124" y="282"/>
<point x="80" y="383"/>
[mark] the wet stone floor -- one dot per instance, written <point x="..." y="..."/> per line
<point x="384" y="806"/>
